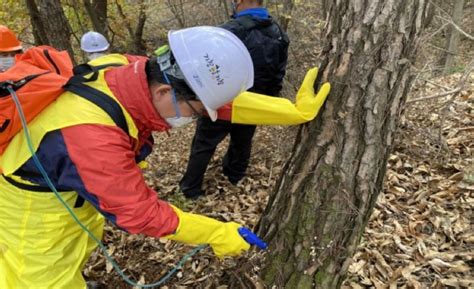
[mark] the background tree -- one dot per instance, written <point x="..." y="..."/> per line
<point x="50" y="25"/>
<point x="39" y="32"/>
<point x="135" y="43"/>
<point x="452" y="38"/>
<point x="284" y="15"/>
<point x="97" y="11"/>
<point x="226" y="10"/>
<point x="325" y="196"/>
<point x="177" y="8"/>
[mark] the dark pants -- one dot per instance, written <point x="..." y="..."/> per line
<point x="208" y="135"/>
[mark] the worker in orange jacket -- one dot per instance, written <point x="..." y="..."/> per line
<point x="9" y="48"/>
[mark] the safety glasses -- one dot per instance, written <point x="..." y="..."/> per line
<point x="196" y="113"/>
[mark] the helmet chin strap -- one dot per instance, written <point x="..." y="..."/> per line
<point x="175" y="101"/>
<point x="173" y="97"/>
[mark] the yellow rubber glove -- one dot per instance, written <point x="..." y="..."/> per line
<point x="254" y="108"/>
<point x="223" y="238"/>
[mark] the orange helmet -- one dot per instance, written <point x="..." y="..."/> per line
<point x="8" y="40"/>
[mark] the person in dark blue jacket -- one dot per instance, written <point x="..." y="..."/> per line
<point x="268" y="47"/>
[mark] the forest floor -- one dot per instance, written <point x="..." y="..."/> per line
<point x="420" y="234"/>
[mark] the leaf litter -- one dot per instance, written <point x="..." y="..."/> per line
<point x="420" y="234"/>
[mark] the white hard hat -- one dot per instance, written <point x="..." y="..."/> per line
<point x="94" y="42"/>
<point x="214" y="62"/>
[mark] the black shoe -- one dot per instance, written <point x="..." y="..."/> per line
<point x="233" y="181"/>
<point x="194" y="195"/>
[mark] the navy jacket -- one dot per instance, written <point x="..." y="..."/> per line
<point x="268" y="47"/>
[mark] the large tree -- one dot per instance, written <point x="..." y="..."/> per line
<point x="50" y="25"/>
<point x="316" y="216"/>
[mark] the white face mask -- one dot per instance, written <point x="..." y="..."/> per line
<point x="95" y="55"/>
<point x="181" y="121"/>
<point x="6" y="62"/>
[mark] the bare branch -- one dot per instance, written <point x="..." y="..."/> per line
<point x="459" y="29"/>
<point x="436" y="84"/>
<point x="456" y="90"/>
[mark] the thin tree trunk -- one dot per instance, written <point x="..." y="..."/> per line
<point x="328" y="188"/>
<point x="97" y="11"/>
<point x="285" y="15"/>
<point x="39" y="33"/>
<point x="56" y="25"/>
<point x="177" y="8"/>
<point x="453" y="36"/>
<point x="325" y="6"/>
<point x="138" y="35"/>
<point x="227" y="13"/>
<point x="137" y="46"/>
<point x="124" y="18"/>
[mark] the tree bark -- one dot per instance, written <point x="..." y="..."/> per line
<point x="316" y="216"/>
<point x="39" y="32"/>
<point x="136" y="46"/>
<point x="227" y="13"/>
<point x="453" y="36"/>
<point x="56" y="25"/>
<point x="139" y="47"/>
<point x="177" y="8"/>
<point x="97" y="11"/>
<point x="285" y="16"/>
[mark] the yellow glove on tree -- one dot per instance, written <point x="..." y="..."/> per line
<point x="254" y="108"/>
<point x="223" y="238"/>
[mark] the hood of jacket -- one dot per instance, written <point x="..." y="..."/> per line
<point x="129" y="84"/>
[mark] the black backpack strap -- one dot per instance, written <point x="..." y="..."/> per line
<point x="86" y="68"/>
<point x="102" y="100"/>
<point x="108" y="104"/>
<point x="33" y="188"/>
<point x="15" y="85"/>
<point x="105" y="102"/>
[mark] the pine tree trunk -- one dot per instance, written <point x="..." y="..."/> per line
<point x="453" y="36"/>
<point x="55" y="24"/>
<point x="316" y="216"/>
<point x="39" y="32"/>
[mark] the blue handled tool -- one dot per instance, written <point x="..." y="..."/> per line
<point x="251" y="238"/>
